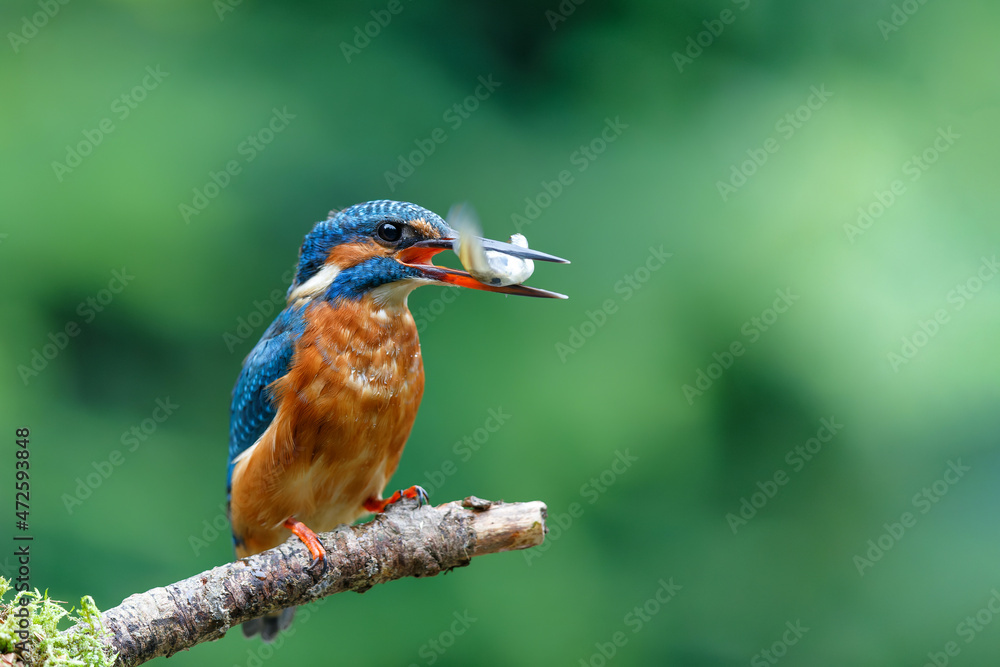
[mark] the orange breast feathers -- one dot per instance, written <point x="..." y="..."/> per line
<point x="344" y="412"/>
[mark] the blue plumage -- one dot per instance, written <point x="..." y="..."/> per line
<point x="355" y="223"/>
<point x="251" y="411"/>
<point x="355" y="282"/>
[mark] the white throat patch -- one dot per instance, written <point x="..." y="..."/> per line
<point x="316" y="285"/>
<point x="393" y="295"/>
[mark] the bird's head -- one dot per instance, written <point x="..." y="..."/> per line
<point x="384" y="249"/>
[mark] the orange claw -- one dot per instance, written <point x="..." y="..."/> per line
<point x="376" y="505"/>
<point x="308" y="537"/>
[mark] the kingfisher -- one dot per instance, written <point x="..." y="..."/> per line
<point x="325" y="401"/>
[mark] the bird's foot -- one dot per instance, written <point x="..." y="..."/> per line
<point x="417" y="492"/>
<point x="309" y="538"/>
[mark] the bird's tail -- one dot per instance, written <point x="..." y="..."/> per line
<point x="269" y="626"/>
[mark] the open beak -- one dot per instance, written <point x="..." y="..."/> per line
<point x="420" y="256"/>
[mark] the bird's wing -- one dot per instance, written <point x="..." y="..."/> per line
<point x="252" y="409"/>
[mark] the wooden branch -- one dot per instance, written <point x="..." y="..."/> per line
<point x="406" y="541"/>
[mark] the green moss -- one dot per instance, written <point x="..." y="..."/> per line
<point x="46" y="644"/>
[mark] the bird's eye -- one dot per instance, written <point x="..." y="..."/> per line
<point x="390" y="232"/>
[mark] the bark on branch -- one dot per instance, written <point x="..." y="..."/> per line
<point x="406" y="541"/>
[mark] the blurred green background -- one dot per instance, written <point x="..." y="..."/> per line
<point x="749" y="134"/>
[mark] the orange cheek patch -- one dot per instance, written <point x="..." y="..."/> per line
<point x="351" y="254"/>
<point x="424" y="228"/>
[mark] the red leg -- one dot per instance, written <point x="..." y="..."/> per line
<point x="376" y="505"/>
<point x="304" y="533"/>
